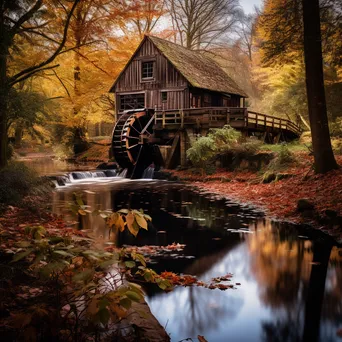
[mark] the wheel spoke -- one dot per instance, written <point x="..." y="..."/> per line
<point x="136" y="161"/>
<point x="139" y="124"/>
<point x="135" y="129"/>
<point x="129" y="148"/>
<point x="130" y="137"/>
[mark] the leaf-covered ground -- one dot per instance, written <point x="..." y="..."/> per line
<point x="279" y="199"/>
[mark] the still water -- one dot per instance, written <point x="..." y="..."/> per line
<point x="291" y="278"/>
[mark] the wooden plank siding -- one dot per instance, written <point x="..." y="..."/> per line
<point x="166" y="79"/>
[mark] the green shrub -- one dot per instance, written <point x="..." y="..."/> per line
<point x="201" y="152"/>
<point x="224" y="137"/>
<point x="18" y="181"/>
<point x="225" y="144"/>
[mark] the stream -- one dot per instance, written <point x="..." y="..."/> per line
<point x="288" y="279"/>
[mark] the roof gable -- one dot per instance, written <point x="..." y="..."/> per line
<point x="199" y="70"/>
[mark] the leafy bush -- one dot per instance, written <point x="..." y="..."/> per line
<point x="18" y="181"/>
<point x="75" y="274"/>
<point x="226" y="144"/>
<point x="224" y="137"/>
<point x="205" y="148"/>
<point x="201" y="152"/>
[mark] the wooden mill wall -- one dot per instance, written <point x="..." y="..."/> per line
<point x="166" y="78"/>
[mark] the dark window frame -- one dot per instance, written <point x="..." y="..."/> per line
<point x="131" y="101"/>
<point x="147" y="70"/>
<point x="163" y="96"/>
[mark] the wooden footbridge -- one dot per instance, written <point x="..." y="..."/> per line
<point x="271" y="128"/>
<point x="180" y="126"/>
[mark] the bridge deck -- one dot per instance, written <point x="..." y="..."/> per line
<point x="215" y="117"/>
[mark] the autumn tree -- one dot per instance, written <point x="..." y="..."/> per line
<point x="28" y="110"/>
<point x="286" y="32"/>
<point x="27" y="20"/>
<point x="201" y="23"/>
<point x="323" y="155"/>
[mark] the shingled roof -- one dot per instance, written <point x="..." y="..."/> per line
<point x="199" y="70"/>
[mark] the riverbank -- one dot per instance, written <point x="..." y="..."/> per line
<point x="279" y="199"/>
<point x="40" y="255"/>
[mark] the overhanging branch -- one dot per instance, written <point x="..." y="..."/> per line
<point x="32" y="70"/>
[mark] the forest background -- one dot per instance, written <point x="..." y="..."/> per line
<point x="67" y="98"/>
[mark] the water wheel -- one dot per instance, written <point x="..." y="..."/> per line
<point x="132" y="142"/>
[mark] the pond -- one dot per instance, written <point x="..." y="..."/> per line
<point x="288" y="279"/>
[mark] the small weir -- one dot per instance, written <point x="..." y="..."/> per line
<point x="148" y="173"/>
<point x="81" y="176"/>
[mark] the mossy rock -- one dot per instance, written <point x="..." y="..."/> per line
<point x="269" y="177"/>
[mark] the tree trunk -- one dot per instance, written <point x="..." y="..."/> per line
<point x="3" y="130"/>
<point x="18" y="135"/>
<point x="324" y="159"/>
<point x="3" y="102"/>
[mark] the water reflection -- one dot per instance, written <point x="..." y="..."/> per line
<point x="47" y="165"/>
<point x="291" y="286"/>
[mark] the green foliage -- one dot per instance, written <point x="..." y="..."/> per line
<point x="201" y="152"/>
<point x="96" y="280"/>
<point x="205" y="148"/>
<point x="294" y="146"/>
<point x="28" y="108"/>
<point x="224" y="143"/>
<point x="244" y="148"/>
<point x="224" y="137"/>
<point x="283" y="159"/>
<point x="18" y="181"/>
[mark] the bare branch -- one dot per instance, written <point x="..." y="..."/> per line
<point x="31" y="73"/>
<point x="27" y="16"/>
<point x="31" y="70"/>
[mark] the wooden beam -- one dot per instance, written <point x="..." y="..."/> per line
<point x="183" y="148"/>
<point x="169" y="160"/>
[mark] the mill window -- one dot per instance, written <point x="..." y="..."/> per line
<point x="147" y="70"/>
<point x="132" y="101"/>
<point x="164" y="96"/>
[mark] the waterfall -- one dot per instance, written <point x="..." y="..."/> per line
<point x="123" y="173"/>
<point x="79" y="176"/>
<point x="148" y="173"/>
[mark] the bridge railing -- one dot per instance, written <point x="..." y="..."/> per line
<point x="236" y="116"/>
<point x="199" y="115"/>
<point x="264" y="120"/>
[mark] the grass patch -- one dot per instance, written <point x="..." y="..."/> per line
<point x="294" y="147"/>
